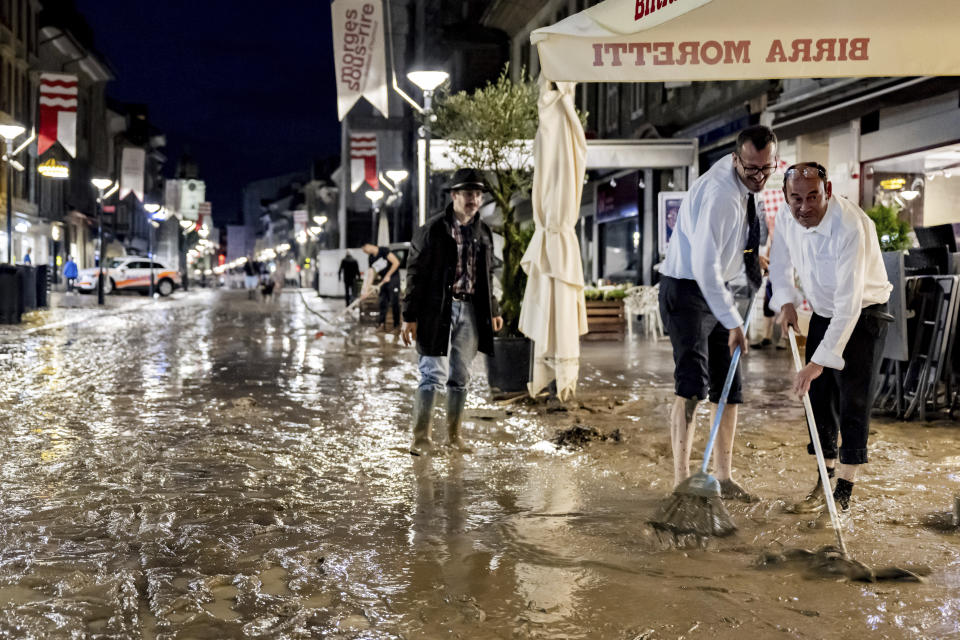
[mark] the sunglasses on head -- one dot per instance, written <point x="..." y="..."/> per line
<point x="806" y="170"/>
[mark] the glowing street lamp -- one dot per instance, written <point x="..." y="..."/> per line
<point x="428" y="81"/>
<point x="375" y="197"/>
<point x="398" y="175"/>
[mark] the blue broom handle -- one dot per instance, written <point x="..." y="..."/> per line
<point x="731" y="372"/>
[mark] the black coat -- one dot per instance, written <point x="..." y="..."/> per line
<point x="431" y="269"/>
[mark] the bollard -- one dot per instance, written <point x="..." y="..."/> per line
<point x="956" y="511"/>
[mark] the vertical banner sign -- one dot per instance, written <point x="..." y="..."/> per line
<point x="204" y="214"/>
<point x="300" y="220"/>
<point x="132" y="166"/>
<point x="363" y="160"/>
<point x="58" y="112"/>
<point x="359" y="54"/>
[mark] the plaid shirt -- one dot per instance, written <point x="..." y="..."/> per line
<point x="465" y="235"/>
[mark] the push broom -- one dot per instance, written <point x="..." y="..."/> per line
<point x="825" y="559"/>
<point x="818" y="449"/>
<point x="695" y="508"/>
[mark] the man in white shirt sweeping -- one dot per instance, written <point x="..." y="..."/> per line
<point x="833" y="247"/>
<point x="717" y="237"/>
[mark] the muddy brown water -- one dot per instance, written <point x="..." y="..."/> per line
<point x="205" y="467"/>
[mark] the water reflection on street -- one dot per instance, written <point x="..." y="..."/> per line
<point x="209" y="467"/>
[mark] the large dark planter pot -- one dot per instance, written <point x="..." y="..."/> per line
<point x="9" y="295"/>
<point x="509" y="368"/>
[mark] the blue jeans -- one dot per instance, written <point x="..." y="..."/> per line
<point x="453" y="370"/>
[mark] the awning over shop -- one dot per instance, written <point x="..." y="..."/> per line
<point x="675" y="40"/>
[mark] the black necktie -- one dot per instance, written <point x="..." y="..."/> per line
<point x="751" y="255"/>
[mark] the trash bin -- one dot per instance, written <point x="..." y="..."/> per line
<point x="28" y="288"/>
<point x="9" y="295"/>
<point x="43" y="285"/>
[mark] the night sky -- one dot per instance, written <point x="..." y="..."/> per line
<point x="246" y="86"/>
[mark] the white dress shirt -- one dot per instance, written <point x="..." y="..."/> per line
<point x="840" y="268"/>
<point x="711" y="233"/>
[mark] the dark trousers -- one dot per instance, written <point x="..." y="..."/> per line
<point x="349" y="291"/>
<point x="842" y="400"/>
<point x="390" y="297"/>
<point x="70" y="283"/>
<point x="701" y="356"/>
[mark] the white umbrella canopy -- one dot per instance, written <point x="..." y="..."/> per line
<point x="673" y="40"/>
<point x="554" y="313"/>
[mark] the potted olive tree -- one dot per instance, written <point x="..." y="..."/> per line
<point x="490" y="129"/>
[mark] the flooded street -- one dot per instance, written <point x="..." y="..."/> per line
<point x="208" y="467"/>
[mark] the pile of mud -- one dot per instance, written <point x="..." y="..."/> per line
<point x="579" y="435"/>
<point x="830" y="562"/>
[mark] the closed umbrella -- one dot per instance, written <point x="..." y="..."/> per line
<point x="554" y="313"/>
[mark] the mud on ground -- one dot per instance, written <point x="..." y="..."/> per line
<point x="208" y="467"/>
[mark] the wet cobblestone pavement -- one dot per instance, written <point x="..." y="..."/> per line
<point x="206" y="466"/>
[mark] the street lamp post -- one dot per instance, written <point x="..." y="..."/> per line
<point x="182" y="243"/>
<point x="428" y="81"/>
<point x="375" y="197"/>
<point x="101" y="184"/>
<point x="398" y="176"/>
<point x="320" y="221"/>
<point x="9" y="132"/>
<point x="151" y="209"/>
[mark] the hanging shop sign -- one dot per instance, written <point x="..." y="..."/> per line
<point x="53" y="169"/>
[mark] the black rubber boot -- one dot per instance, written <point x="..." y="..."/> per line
<point x="456" y="400"/>
<point x="422" y="445"/>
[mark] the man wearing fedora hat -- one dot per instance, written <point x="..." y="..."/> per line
<point x="449" y="308"/>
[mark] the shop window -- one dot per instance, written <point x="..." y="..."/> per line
<point x="617" y="215"/>
<point x="923" y="186"/>
<point x="620" y="250"/>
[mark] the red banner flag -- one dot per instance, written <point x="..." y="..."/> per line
<point x="363" y="160"/>
<point x="58" y="112"/>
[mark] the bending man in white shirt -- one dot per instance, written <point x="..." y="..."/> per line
<point x="833" y="246"/>
<point x="717" y="238"/>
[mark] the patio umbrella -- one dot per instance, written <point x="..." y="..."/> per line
<point x="554" y="313"/>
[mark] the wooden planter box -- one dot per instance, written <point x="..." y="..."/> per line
<point x="605" y="320"/>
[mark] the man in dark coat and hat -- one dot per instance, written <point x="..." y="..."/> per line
<point x="448" y="307"/>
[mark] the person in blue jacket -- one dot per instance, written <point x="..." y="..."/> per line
<point x="70" y="273"/>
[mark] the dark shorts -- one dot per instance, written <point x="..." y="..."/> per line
<point x="701" y="356"/>
<point x="842" y="400"/>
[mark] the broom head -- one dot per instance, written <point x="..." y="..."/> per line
<point x="695" y="508"/>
